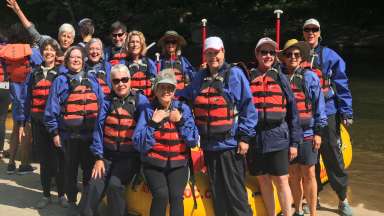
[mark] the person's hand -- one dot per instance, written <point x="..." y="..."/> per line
<point x="98" y="170"/>
<point x="159" y="115"/>
<point x="175" y="115"/>
<point x="21" y="133"/>
<point x="203" y="66"/>
<point x="57" y="141"/>
<point x="292" y="153"/>
<point x="316" y="142"/>
<point x="13" y="5"/>
<point x="242" y="148"/>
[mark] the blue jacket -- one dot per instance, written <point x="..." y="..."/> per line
<point x="56" y="100"/>
<point x="151" y="65"/>
<point x="289" y="133"/>
<point x="312" y="87"/>
<point x="18" y="91"/>
<point x="95" y="68"/>
<point x="108" y="52"/>
<point x="239" y="92"/>
<point x="334" y="67"/>
<point x="143" y="137"/>
<point x="98" y="134"/>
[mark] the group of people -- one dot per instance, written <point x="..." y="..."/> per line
<point x="116" y="113"/>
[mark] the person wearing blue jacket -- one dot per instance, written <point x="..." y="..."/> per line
<point x="310" y="104"/>
<point x="96" y="66"/>
<point x="226" y="119"/>
<point x="115" y="53"/>
<point x="171" y="57"/>
<point x="278" y="131"/>
<point x="116" y="159"/>
<point x="70" y="118"/>
<point x="338" y="108"/>
<point x="17" y="71"/>
<point x="163" y="136"/>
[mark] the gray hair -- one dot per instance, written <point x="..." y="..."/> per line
<point x="120" y="68"/>
<point x="66" y="27"/>
<point x="92" y="41"/>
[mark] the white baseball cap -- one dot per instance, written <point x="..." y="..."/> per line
<point x="311" y="21"/>
<point x="213" y="43"/>
<point x="265" y="40"/>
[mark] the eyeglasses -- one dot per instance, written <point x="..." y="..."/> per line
<point x="311" y="30"/>
<point x="290" y="54"/>
<point x="118" y="34"/>
<point x="171" y="42"/>
<point x="266" y="52"/>
<point x="123" y="80"/>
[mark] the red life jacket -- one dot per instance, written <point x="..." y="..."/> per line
<point x="303" y="102"/>
<point x="169" y="147"/>
<point x="213" y="109"/>
<point x="2" y="73"/>
<point x="116" y="57"/>
<point x="141" y="78"/>
<point x="40" y="90"/>
<point x="16" y="59"/>
<point x="81" y="106"/>
<point x="268" y="96"/>
<point x="325" y="80"/>
<point x="182" y="78"/>
<point x="120" y="123"/>
<point x="101" y="76"/>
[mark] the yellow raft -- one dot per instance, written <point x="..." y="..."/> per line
<point x="139" y="198"/>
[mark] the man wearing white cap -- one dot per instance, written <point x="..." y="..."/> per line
<point x="338" y="98"/>
<point x="226" y="118"/>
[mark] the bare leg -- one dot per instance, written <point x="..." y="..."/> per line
<point x="284" y="193"/>
<point x="310" y="186"/>
<point x="266" y="189"/>
<point x="296" y="186"/>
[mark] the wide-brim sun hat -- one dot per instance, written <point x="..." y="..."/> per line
<point x="174" y="35"/>
<point x="301" y="45"/>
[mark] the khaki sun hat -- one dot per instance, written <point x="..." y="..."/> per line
<point x="301" y="45"/>
<point x="174" y="35"/>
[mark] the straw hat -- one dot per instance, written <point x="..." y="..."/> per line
<point x="301" y="45"/>
<point x="174" y="35"/>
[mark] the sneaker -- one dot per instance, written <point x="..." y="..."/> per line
<point x="306" y="208"/>
<point x="63" y="202"/>
<point x="298" y="214"/>
<point x="73" y="210"/>
<point x="11" y="168"/>
<point x="43" y="202"/>
<point x="25" y="169"/>
<point x="345" y="209"/>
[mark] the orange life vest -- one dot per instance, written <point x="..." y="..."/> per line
<point x="81" y="106"/>
<point x="141" y="78"/>
<point x="182" y="78"/>
<point x="101" y="76"/>
<point x="303" y="102"/>
<point x="169" y="147"/>
<point x="213" y="109"/>
<point x="268" y="96"/>
<point x="40" y="90"/>
<point x="120" y="123"/>
<point x="116" y="57"/>
<point x="16" y="59"/>
<point x="2" y="73"/>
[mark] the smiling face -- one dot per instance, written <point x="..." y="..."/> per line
<point x="66" y="39"/>
<point x="171" y="46"/>
<point x="265" y="56"/>
<point x="214" y="58"/>
<point x="95" y="52"/>
<point x="165" y="92"/>
<point x="292" y="58"/>
<point x="75" y="60"/>
<point x="311" y="34"/>
<point x="49" y="54"/>
<point x="118" y="37"/>
<point x="134" y="45"/>
<point x="121" y="82"/>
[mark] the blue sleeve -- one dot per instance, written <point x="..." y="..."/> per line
<point x="247" y="115"/>
<point x="36" y="58"/>
<point x="340" y="81"/>
<point x="108" y="68"/>
<point x="152" y="67"/>
<point x="143" y="136"/>
<point x="295" y="130"/>
<point x="18" y="93"/>
<point x="318" y="102"/>
<point x="191" y="91"/>
<point x="57" y="95"/>
<point x="98" y="134"/>
<point x="28" y="97"/>
<point x="98" y="90"/>
<point x="187" y="128"/>
<point x="188" y="68"/>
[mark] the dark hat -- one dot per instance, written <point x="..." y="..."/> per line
<point x="301" y="45"/>
<point x="172" y="34"/>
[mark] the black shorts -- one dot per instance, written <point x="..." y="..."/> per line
<point x="272" y="163"/>
<point x="306" y="154"/>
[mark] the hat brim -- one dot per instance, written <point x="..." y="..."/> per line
<point x="302" y="46"/>
<point x="180" y="39"/>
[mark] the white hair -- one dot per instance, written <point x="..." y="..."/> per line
<point x="120" y="68"/>
<point x="92" y="41"/>
<point x="66" y="27"/>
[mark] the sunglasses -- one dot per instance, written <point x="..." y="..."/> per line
<point x="123" y="80"/>
<point x="118" y="35"/>
<point x="266" y="52"/>
<point x="171" y="42"/>
<point x="311" y="29"/>
<point x="290" y="54"/>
